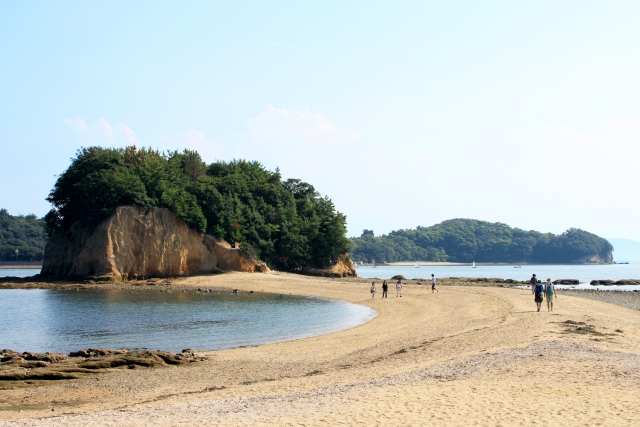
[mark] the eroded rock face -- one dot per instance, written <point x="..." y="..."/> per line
<point x="342" y="268"/>
<point x="601" y="258"/>
<point x="135" y="242"/>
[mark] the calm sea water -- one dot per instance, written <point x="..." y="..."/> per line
<point x="67" y="320"/>
<point x="18" y="272"/>
<point x="583" y="273"/>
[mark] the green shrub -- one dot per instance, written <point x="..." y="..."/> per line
<point x="287" y="224"/>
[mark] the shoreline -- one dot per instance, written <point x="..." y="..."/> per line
<point x="424" y="357"/>
<point x="177" y="283"/>
<point x="20" y="267"/>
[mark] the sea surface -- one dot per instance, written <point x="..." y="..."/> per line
<point x="18" y="272"/>
<point x="67" y="320"/>
<point x="584" y="273"/>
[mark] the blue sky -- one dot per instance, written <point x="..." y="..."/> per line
<point x="404" y="113"/>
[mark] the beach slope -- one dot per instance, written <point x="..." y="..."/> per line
<point x="463" y="356"/>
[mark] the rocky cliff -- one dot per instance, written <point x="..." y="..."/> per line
<point x="604" y="257"/>
<point x="342" y="268"/>
<point x="135" y="242"/>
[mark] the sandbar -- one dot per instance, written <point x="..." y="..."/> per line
<point x="462" y="356"/>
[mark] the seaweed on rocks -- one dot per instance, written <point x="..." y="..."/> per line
<point x="28" y="366"/>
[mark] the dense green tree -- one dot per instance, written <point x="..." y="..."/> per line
<point x="466" y="240"/>
<point x="24" y="233"/>
<point x="287" y="224"/>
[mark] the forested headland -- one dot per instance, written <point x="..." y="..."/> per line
<point x="467" y="240"/>
<point x="23" y="233"/>
<point x="285" y="223"/>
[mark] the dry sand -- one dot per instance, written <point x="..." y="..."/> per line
<point x="464" y="356"/>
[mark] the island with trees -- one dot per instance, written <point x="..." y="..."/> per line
<point x="285" y="224"/>
<point x="468" y="240"/>
<point x="23" y="233"/>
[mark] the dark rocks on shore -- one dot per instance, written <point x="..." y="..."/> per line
<point x="96" y="352"/>
<point x="29" y="366"/>
<point x="614" y="283"/>
<point x="398" y="277"/>
<point x="566" y="282"/>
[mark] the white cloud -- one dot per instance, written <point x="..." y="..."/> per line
<point x="131" y="136"/>
<point x="108" y="131"/>
<point x="78" y="124"/>
<point x="196" y="140"/>
<point x="295" y="125"/>
<point x="100" y="132"/>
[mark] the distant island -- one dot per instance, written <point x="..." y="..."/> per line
<point x="24" y="233"/>
<point x="284" y="224"/>
<point x="468" y="240"/>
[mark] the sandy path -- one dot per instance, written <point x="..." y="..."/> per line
<point x="464" y="356"/>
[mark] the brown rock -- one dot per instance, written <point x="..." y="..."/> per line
<point x="135" y="243"/>
<point x="44" y="357"/>
<point x="602" y="283"/>
<point x="628" y="282"/>
<point x="10" y="357"/>
<point x="341" y="268"/>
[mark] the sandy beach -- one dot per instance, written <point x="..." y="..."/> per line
<point x="463" y="356"/>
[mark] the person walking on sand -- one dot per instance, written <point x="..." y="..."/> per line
<point x="399" y="288"/>
<point x="433" y="284"/>
<point x="385" y="288"/>
<point x="538" y="290"/>
<point x="550" y="293"/>
<point x="373" y="290"/>
<point x="533" y="282"/>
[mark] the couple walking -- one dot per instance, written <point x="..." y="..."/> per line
<point x="385" y="289"/>
<point x="539" y="290"/>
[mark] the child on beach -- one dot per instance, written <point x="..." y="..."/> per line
<point x="550" y="292"/>
<point x="373" y="290"/>
<point x="433" y="284"/>
<point x="398" y="288"/>
<point x="385" y="288"/>
<point x="538" y="290"/>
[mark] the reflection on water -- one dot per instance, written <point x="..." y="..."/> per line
<point x="66" y="320"/>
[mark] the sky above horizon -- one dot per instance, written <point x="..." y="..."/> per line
<point x="403" y="113"/>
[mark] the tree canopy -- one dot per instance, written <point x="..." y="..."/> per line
<point x="24" y="233"/>
<point x="466" y="240"/>
<point x="284" y="223"/>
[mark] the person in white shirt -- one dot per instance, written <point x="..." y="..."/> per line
<point x="433" y="284"/>
<point x="398" y="288"/>
<point x="373" y="290"/>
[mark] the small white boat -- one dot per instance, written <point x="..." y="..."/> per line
<point x="516" y="266"/>
<point x="417" y="264"/>
<point x="474" y="264"/>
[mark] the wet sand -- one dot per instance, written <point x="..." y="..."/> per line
<point x="624" y="299"/>
<point x="463" y="356"/>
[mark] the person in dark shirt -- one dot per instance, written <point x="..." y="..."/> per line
<point x="385" y="288"/>
<point x="533" y="282"/>
<point x="538" y="292"/>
